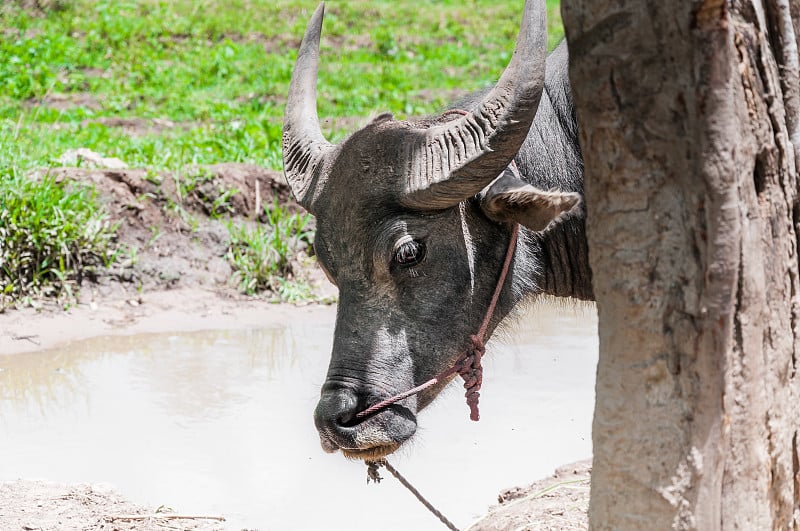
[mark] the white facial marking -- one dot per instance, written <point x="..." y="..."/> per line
<point x="462" y="211"/>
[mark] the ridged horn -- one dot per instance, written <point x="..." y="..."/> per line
<point x="456" y="160"/>
<point x="304" y="147"/>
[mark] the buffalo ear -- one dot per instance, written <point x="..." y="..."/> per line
<point x="510" y="199"/>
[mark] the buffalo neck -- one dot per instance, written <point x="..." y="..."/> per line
<point x="551" y="158"/>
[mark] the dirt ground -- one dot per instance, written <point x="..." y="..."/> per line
<point x="180" y="281"/>
<point x="560" y="502"/>
<point x="43" y="506"/>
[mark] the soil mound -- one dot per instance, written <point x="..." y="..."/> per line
<point x="177" y="222"/>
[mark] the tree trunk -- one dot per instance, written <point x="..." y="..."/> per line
<point x="689" y="118"/>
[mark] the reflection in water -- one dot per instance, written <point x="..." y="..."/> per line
<point x="221" y="422"/>
<point x="165" y="365"/>
<point x="204" y="386"/>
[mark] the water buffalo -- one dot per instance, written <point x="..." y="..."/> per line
<point x="413" y="222"/>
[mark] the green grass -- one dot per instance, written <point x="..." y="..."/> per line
<point x="261" y="256"/>
<point x="218" y="72"/>
<point x="52" y="235"/>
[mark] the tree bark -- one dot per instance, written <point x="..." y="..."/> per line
<point x="688" y="117"/>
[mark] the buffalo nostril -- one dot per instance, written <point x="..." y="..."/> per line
<point x="336" y="410"/>
<point x="347" y="419"/>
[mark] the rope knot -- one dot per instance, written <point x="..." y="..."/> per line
<point x="471" y="371"/>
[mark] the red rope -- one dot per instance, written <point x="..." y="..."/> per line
<point x="469" y="364"/>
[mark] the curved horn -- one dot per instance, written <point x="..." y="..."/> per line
<point x="304" y="147"/>
<point x="458" y="159"/>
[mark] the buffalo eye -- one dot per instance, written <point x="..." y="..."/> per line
<point x="408" y="252"/>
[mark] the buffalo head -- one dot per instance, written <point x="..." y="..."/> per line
<point x="412" y="226"/>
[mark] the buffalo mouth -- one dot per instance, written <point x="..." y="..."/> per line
<point x="370" y="454"/>
<point x="369" y="451"/>
<point x="374" y="437"/>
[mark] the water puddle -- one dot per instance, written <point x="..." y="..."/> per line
<point x="220" y="422"/>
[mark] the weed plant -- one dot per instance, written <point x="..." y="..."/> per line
<point x="52" y="235"/>
<point x="261" y="255"/>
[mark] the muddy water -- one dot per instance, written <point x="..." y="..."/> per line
<point x="219" y="422"/>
